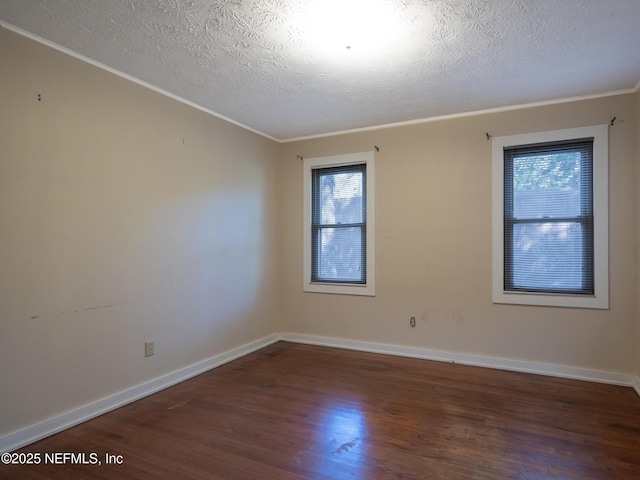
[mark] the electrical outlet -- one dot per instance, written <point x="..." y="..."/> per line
<point x="412" y="322"/>
<point x="148" y="349"/>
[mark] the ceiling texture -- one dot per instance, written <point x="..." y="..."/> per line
<point x="292" y="69"/>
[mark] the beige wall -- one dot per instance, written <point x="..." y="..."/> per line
<point x="114" y="232"/>
<point x="126" y="216"/>
<point x="433" y="244"/>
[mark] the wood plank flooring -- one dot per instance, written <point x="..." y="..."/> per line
<point x="304" y="412"/>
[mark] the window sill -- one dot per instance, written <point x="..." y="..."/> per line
<point x="552" y="300"/>
<point x="341" y="289"/>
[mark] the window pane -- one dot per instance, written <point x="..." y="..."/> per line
<point x="341" y="200"/>
<point x="548" y="256"/>
<point x="340" y="254"/>
<point x="547" y="186"/>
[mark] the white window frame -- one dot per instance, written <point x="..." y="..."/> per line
<point x="600" y="298"/>
<point x="309" y="164"/>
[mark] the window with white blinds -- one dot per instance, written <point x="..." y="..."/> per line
<point x="339" y="238"/>
<point x="548" y="217"/>
<point x="339" y="224"/>
<point x="552" y="189"/>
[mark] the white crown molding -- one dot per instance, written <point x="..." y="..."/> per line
<point x="56" y="424"/>
<point x="126" y="76"/>
<point x="548" y="369"/>
<point x="114" y="71"/>
<point x="474" y="113"/>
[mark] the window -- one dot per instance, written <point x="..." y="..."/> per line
<point x="339" y="244"/>
<point x="550" y="218"/>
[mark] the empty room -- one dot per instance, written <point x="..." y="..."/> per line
<point x="320" y="239"/>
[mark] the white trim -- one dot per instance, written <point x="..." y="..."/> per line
<point x="369" y="289"/>
<point x="600" y="299"/>
<point x="538" y="368"/>
<point x="418" y="121"/>
<point x="126" y="76"/>
<point x="54" y="425"/>
<point x="474" y="113"/>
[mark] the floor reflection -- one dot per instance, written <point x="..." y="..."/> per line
<point x="340" y="443"/>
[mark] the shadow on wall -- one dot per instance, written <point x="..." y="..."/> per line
<point x="202" y="259"/>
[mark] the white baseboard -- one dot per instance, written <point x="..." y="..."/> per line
<point x="54" y="425"/>
<point x="475" y="360"/>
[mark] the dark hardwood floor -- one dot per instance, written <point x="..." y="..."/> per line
<point x="296" y="411"/>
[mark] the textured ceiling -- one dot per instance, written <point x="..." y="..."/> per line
<point x="261" y="64"/>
